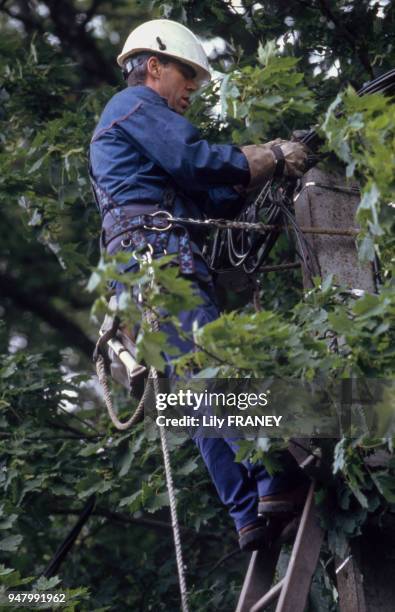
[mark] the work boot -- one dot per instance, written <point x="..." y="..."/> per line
<point x="278" y="519"/>
<point x="281" y="512"/>
<point x="289" y="502"/>
<point x="254" y="536"/>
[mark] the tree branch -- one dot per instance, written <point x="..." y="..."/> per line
<point x="144" y="522"/>
<point x="41" y="307"/>
<point x="78" y="435"/>
<point x="76" y="41"/>
<point x="360" y="50"/>
<point x="79" y="43"/>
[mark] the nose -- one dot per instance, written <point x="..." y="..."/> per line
<point x="192" y="85"/>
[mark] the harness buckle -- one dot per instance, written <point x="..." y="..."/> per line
<point x="125" y="243"/>
<point x="166" y="214"/>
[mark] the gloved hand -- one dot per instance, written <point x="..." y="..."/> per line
<point x="263" y="161"/>
<point x="295" y="157"/>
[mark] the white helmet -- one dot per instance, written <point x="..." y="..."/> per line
<point x="169" y="38"/>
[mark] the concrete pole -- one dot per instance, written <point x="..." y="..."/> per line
<point x="366" y="576"/>
<point x="323" y="203"/>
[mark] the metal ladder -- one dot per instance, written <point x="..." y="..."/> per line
<point x="292" y="590"/>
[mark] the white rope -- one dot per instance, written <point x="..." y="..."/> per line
<point x="153" y="322"/>
<point x="153" y="376"/>
<point x="138" y="413"/>
<point x="173" y="508"/>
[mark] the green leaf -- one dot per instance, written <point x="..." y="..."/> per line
<point x="36" y="218"/>
<point x="46" y="584"/>
<point x="91" y="449"/>
<point x="149" y="346"/>
<point x="369" y="305"/>
<point x="386" y="485"/>
<point x="13" y="578"/>
<point x="8" y="521"/>
<point x="339" y="457"/>
<point x="340" y="322"/>
<point x="361" y="497"/>
<point x="126" y="461"/>
<point x="327" y="283"/>
<point x="11" y="543"/>
<point x="156" y="502"/>
<point x="366" y="251"/>
<point x="188" y="467"/>
<point x="94" y="282"/>
<point x="103" y="488"/>
<point x="131" y="500"/>
<point x="369" y="198"/>
<point x="37" y="164"/>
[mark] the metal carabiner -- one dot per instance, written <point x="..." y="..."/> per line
<point x="143" y="256"/>
<point x="167" y="215"/>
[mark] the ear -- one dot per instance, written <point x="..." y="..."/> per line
<point x="154" y="67"/>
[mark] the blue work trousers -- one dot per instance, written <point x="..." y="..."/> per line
<point x="239" y="485"/>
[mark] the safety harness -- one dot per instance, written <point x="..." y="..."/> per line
<point x="132" y="229"/>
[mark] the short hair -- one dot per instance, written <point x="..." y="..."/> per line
<point x="135" y="67"/>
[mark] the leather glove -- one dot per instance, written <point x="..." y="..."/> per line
<point x="263" y="160"/>
<point x="291" y="158"/>
<point x="261" y="163"/>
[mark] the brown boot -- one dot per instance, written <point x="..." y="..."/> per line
<point x="282" y="512"/>
<point x="289" y="502"/>
<point x="254" y="536"/>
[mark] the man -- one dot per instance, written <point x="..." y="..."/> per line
<point x="146" y="157"/>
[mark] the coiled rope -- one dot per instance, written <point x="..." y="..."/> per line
<point x="103" y="380"/>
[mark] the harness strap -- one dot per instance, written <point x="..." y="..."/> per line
<point x="134" y="234"/>
<point x="131" y="228"/>
<point x="132" y="224"/>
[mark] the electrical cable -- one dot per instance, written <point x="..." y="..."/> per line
<point x="231" y="248"/>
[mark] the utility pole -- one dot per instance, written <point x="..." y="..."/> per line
<point x="365" y="577"/>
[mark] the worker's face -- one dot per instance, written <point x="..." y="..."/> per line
<point x="174" y="81"/>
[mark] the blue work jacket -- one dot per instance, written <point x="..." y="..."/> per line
<point x="141" y="147"/>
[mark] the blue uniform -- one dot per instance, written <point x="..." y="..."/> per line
<point x="140" y="149"/>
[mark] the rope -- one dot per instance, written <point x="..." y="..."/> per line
<point x="153" y="322"/>
<point x="138" y="413"/>
<point x="174" y="518"/>
<point x="279" y="267"/>
<point x="173" y="507"/>
<point x="329" y="187"/>
<point x="135" y="418"/>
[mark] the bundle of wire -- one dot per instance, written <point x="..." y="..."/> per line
<point x="249" y="251"/>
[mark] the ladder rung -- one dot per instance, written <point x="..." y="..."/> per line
<point x="259" y="577"/>
<point x="268" y="597"/>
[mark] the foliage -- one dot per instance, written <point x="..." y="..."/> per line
<point x="363" y="136"/>
<point x="56" y="454"/>
<point x="267" y="98"/>
<point x="280" y="67"/>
